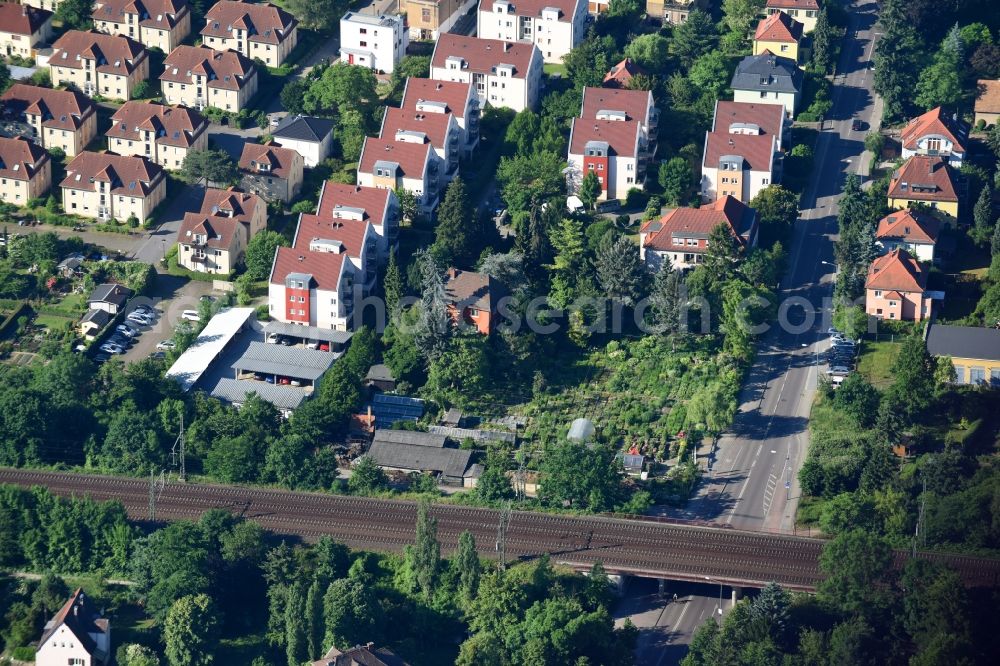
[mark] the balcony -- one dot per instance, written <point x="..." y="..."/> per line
<point x="654" y="120"/>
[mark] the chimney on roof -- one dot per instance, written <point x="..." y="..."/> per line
<point x="302" y="257"/>
<point x="930" y="167"/>
<point x="369" y="645"/>
<point x="506" y="47"/>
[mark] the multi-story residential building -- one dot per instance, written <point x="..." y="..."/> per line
<point x="934" y="133"/>
<point x="271" y="171"/>
<point x="681" y="236"/>
<point x="49" y="5"/>
<point x="312" y="138"/>
<point x="778" y="34"/>
<point x="197" y="76"/>
<point x="25" y="171"/>
<point x="22" y="27"/>
<point x="609" y="148"/>
<point x="161" y="24"/>
<point x="615" y="104"/>
<point x="346" y="235"/>
<point x="401" y="163"/>
<point x="379" y="207"/>
<point x="311" y="289"/>
<point x="742" y="152"/>
<point x="914" y="231"/>
<point x="214" y="239"/>
<point x="896" y="288"/>
<point x="926" y="180"/>
<point x="63" y="119"/>
<point x="441" y="129"/>
<point x="98" y="64"/>
<point x="768" y="79"/>
<point x="974" y="352"/>
<point x="429" y="19"/>
<point x="501" y="73"/>
<point x="162" y="134"/>
<point x="107" y="186"/>
<point x="805" y="12"/>
<point x="255" y="30"/>
<point x="376" y="42"/>
<point x="446" y="97"/>
<point x="78" y="634"/>
<point x="554" y="26"/>
<point x="674" y="11"/>
<point x="987" y="106"/>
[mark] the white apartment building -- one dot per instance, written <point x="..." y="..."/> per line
<point x="376" y="42"/>
<point x="507" y="74"/>
<point x="311" y="288"/>
<point x="742" y="152"/>
<point x="441" y="129"/>
<point x="401" y="162"/>
<point x="350" y="235"/>
<point x="446" y="97"/>
<point x="379" y="207"/>
<point x="613" y="149"/>
<point x="554" y="26"/>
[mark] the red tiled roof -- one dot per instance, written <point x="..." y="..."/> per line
<point x="325" y="267"/>
<point x="931" y="176"/>
<point x="622" y="136"/>
<point x="769" y="117"/>
<point x="793" y="4"/>
<point x="350" y="233"/>
<point x="633" y="103"/>
<point x="909" y="225"/>
<point x="434" y="125"/>
<point x="218" y="229"/>
<point x="159" y="14"/>
<point x="78" y="616"/>
<point x="333" y="195"/>
<point x="987" y="96"/>
<point x="20" y="159"/>
<point x="534" y="8"/>
<point x="896" y="271"/>
<point x="129" y="176"/>
<point x="264" y="21"/>
<point x="241" y="205"/>
<point x="778" y="27"/>
<point x="619" y="75"/>
<point x="932" y="122"/>
<point x="120" y="55"/>
<point x="696" y="223"/>
<point x="279" y="158"/>
<point x="22" y="19"/>
<point x="411" y="157"/>
<point x="172" y="126"/>
<point x="455" y="94"/>
<point x="756" y="150"/>
<point x="59" y="109"/>
<point x="228" y="70"/>
<point x="483" y="55"/>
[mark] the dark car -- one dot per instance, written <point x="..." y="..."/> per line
<point x="857" y="125"/>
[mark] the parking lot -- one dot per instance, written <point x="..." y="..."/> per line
<point x="842" y="356"/>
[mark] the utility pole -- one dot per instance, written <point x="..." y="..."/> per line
<point x="178" y="450"/>
<point x="919" y="533"/>
<point x="156" y="485"/>
<point x="501" y="545"/>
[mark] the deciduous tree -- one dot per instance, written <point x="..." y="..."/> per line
<point x="208" y="166"/>
<point x="367" y="477"/>
<point x="651" y="51"/>
<point x="190" y="631"/>
<point x="468" y="565"/>
<point x="590" y="190"/>
<point x="426" y="550"/>
<point x="676" y="178"/>
<point x="260" y="253"/>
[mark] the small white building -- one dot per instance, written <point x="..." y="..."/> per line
<point x="376" y="42"/>
<point x="76" y="635"/>
<point x="502" y="73"/>
<point x="312" y="138"/>
<point x="554" y="26"/>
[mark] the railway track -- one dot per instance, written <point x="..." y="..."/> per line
<point x="684" y="552"/>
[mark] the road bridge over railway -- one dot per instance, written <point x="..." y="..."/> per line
<point x="625" y="547"/>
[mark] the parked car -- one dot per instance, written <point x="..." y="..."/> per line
<point x="166" y="344"/>
<point x="158" y="355"/>
<point x="857" y="125"/>
<point x="101" y="358"/>
<point x="272" y="338"/>
<point x="839" y="370"/>
<point x="80" y="348"/>
<point x="112" y="348"/>
<point x="191" y="315"/>
<point x="208" y="298"/>
<point x="127" y="331"/>
<point x="139" y="318"/>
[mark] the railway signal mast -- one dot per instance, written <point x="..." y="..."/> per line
<point x="177" y="451"/>
<point x="501" y="544"/>
<point x="156" y="484"/>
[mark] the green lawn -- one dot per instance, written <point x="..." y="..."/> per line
<point x="551" y="68"/>
<point x="53" y="322"/>
<point x="876" y="362"/>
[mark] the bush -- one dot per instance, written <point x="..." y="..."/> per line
<point x="142" y="90"/>
<point x="23" y="653"/>
<point x="635" y="198"/>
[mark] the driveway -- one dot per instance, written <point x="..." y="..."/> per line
<point x="122" y="243"/>
<point x="154" y="245"/>
<point x="231" y="139"/>
<point x="170" y="297"/>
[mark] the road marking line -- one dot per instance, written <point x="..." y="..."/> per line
<point x="680" y="618"/>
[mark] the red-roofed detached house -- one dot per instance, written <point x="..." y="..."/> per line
<point x="214" y="239"/>
<point x="25" y="171"/>
<point x="682" y="234"/>
<point x="257" y="30"/>
<point x="271" y="171"/>
<point x="935" y="134"/>
<point x="22" y="27"/>
<point x="896" y="288"/>
<point x="914" y="231"/>
<point x="76" y="635"/>
<point x="779" y="34"/>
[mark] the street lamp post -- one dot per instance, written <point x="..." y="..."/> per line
<point x="719" y="608"/>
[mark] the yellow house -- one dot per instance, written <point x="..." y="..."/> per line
<point x="197" y="76"/>
<point x="108" y="186"/>
<point x="779" y="34"/>
<point x="22" y="27"/>
<point x="925" y="180"/>
<point x="99" y="64"/>
<point x="163" y="134"/>
<point x="256" y="30"/>
<point x="161" y="24"/>
<point x="63" y="119"/>
<point x="25" y="171"/>
<point x="974" y="352"/>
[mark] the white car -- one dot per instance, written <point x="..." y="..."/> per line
<point x="190" y="315"/>
<point x="140" y="319"/>
<point x="112" y="348"/>
<point x="839" y="370"/>
<point x="127" y="331"/>
<point x="166" y="344"/>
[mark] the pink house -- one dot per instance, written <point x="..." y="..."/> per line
<point x="896" y="288"/>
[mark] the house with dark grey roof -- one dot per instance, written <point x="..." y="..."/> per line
<point x="974" y="351"/>
<point x="312" y="138"/>
<point x="93" y="323"/>
<point x="451" y="466"/>
<point x="109" y="297"/>
<point x="76" y="635"/>
<point x="360" y="655"/>
<point x="286" y="399"/>
<point x="768" y="79"/>
<point x="412" y="437"/>
<point x="281" y="365"/>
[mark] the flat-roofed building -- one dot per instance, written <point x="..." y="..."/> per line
<point x="377" y="42"/>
